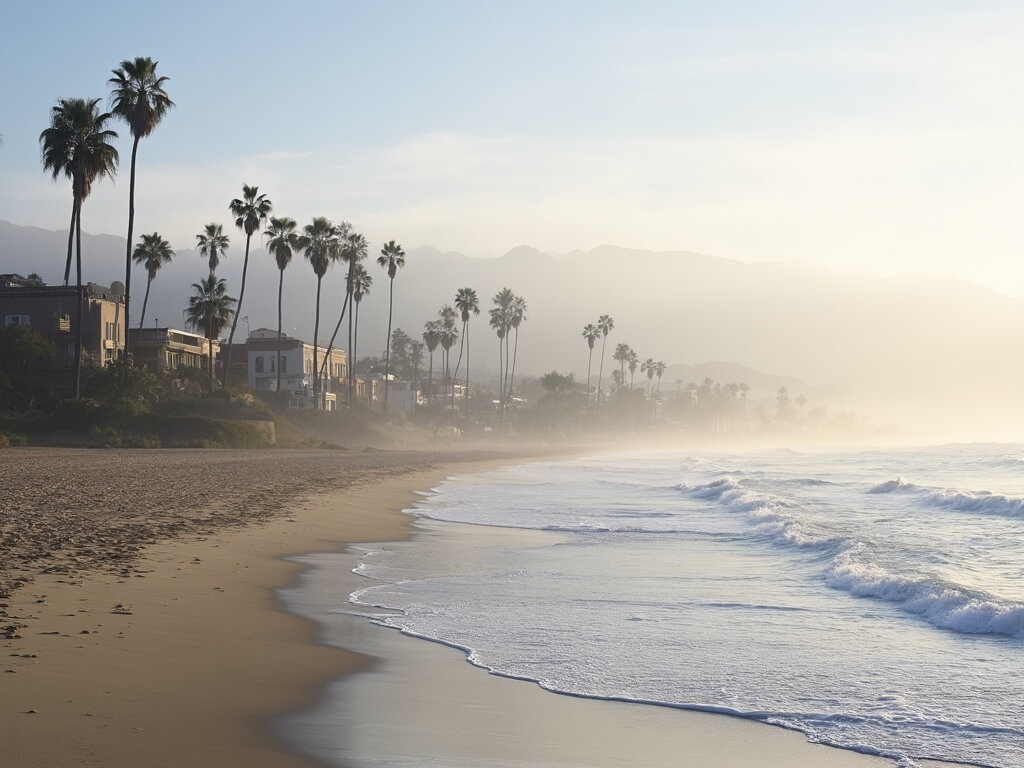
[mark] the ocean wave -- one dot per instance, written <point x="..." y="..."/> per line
<point x="940" y="603"/>
<point x="893" y="485"/>
<point x="980" y="501"/>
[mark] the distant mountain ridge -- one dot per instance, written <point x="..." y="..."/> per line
<point x="938" y="345"/>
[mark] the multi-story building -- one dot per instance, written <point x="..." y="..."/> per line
<point x="297" y="374"/>
<point x="51" y="311"/>
<point x="166" y="349"/>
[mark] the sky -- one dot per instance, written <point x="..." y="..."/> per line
<point x="877" y="137"/>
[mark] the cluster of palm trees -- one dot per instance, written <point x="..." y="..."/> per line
<point x="507" y="314"/>
<point x="624" y="355"/>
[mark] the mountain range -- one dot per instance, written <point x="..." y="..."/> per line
<point x="919" y="350"/>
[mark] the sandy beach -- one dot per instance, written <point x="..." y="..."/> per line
<point x="141" y="624"/>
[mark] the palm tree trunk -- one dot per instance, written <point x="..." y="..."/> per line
<point x="128" y="255"/>
<point x="600" y="374"/>
<point x="316" y="333"/>
<point x="351" y="342"/>
<point x="238" y="311"/>
<point x="387" y="348"/>
<point x="590" y="362"/>
<point x="280" y="288"/>
<point x="334" y="335"/>
<point x="209" y="341"/>
<point x="81" y="298"/>
<point x="71" y="239"/>
<point x="430" y="379"/>
<point x="458" y="362"/>
<point x="142" y="318"/>
<point x="355" y="352"/>
<point x="515" y="354"/>
<point x="465" y="394"/>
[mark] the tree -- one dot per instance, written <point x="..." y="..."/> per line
<point x="632" y="361"/>
<point x="650" y="368"/>
<point x="282" y="242"/>
<point x="343" y="235"/>
<point x="447" y="339"/>
<point x="137" y="97"/>
<point x="250" y="211"/>
<point x="517" y="317"/>
<point x="605" y="323"/>
<point x="392" y="258"/>
<point x="35" y="279"/>
<point x="354" y="249"/>
<point x="208" y="311"/>
<point x="77" y="146"/>
<point x="432" y="331"/>
<point x="556" y="384"/>
<point x="320" y="243"/>
<point x="361" y="282"/>
<point x="591" y="333"/>
<point x="501" y="321"/>
<point x="467" y="304"/>
<point x="213" y="243"/>
<point x="659" y="371"/>
<point x="621" y="356"/>
<point x="152" y="253"/>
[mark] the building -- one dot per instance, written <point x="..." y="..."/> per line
<point x="51" y="311"/>
<point x="296" y="368"/>
<point x="167" y="349"/>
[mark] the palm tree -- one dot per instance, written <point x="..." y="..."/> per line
<point x="320" y="243"/>
<point x="77" y="146"/>
<point x="392" y="258"/>
<point x="432" y="331"/>
<point x="213" y="243"/>
<point x="605" y="324"/>
<point x="152" y="253"/>
<point x="501" y="322"/>
<point x="354" y="249"/>
<point x="282" y="242"/>
<point x="649" y="367"/>
<point x="343" y="235"/>
<point x="467" y="304"/>
<point x="517" y="317"/>
<point x="447" y="339"/>
<point x="208" y="311"/>
<point x="250" y="211"/>
<point x="591" y="333"/>
<point x="659" y="371"/>
<point x="137" y="97"/>
<point x="621" y="355"/>
<point x="361" y="282"/>
<point x="633" y="361"/>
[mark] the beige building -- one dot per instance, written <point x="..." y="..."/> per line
<point x="167" y="349"/>
<point x="51" y="311"/>
<point x="297" y="373"/>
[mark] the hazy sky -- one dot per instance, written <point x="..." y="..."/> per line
<point x="871" y="136"/>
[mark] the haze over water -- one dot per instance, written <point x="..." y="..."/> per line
<point x="872" y="600"/>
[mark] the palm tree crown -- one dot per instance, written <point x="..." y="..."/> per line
<point x="138" y="96"/>
<point x="392" y="257"/>
<point x="152" y="253"/>
<point x="209" y="310"/>
<point x="213" y="243"/>
<point x="251" y="210"/>
<point x="283" y="240"/>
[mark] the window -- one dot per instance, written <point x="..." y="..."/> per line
<point x="259" y="364"/>
<point x="284" y="365"/>
<point x="112" y="332"/>
<point x="272" y="364"/>
<point x="16" y="320"/>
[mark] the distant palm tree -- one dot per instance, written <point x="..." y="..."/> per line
<point x="633" y="361"/>
<point x="77" y="146"/>
<point x="649" y="367"/>
<point x="392" y="258"/>
<point x="591" y="333"/>
<point x="152" y="253"/>
<point x="621" y="355"/>
<point x="659" y="371"/>
<point x="213" y="243"/>
<point x="344" y="235"/>
<point x="282" y="242"/>
<point x="501" y="322"/>
<point x="137" y="97"/>
<point x="250" y="211"/>
<point x="447" y="339"/>
<point x="361" y="282"/>
<point x="208" y="311"/>
<point x="517" y="317"/>
<point x="322" y="249"/>
<point x="468" y="304"/>
<point x="354" y="249"/>
<point x="605" y="323"/>
<point x="432" y="331"/>
<point x="416" y="357"/>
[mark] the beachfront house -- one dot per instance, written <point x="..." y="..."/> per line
<point x="296" y="368"/>
<point x="167" y="349"/>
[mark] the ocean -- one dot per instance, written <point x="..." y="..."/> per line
<point x="872" y="600"/>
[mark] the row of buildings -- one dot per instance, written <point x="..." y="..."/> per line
<point x="50" y="310"/>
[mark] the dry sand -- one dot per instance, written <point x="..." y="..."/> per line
<point x="143" y="628"/>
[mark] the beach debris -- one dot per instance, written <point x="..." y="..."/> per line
<point x="121" y="609"/>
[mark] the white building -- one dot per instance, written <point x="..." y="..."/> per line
<point x="296" y="368"/>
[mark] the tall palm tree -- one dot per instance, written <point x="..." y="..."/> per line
<point x="447" y="339"/>
<point x="343" y="235"/>
<point x="649" y="367"/>
<point x="432" y="331"/>
<point x="137" y="97"/>
<point x="633" y="361"/>
<point x="322" y="249"/>
<point x="591" y="333"/>
<point x="501" y="322"/>
<point x="361" y="282"/>
<point x="659" y="371"/>
<point x="517" y="317"/>
<point x="282" y="242"/>
<point x="250" y="211"/>
<point x="621" y="356"/>
<point x="152" y="253"/>
<point x="605" y="323"/>
<point x="77" y="146"/>
<point x="208" y="311"/>
<point x="467" y="303"/>
<point x="213" y="243"/>
<point x="392" y="258"/>
<point x="354" y="249"/>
